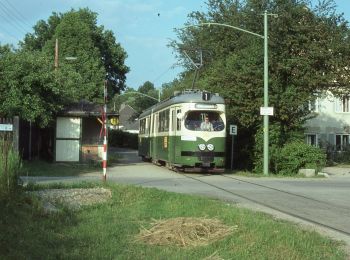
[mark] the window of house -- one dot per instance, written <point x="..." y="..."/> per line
<point x="311" y="139"/>
<point x="313" y="105"/>
<point x="345" y="102"/>
<point x="341" y="141"/>
<point x="342" y="104"/>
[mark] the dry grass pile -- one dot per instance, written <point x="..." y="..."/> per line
<point x="184" y="232"/>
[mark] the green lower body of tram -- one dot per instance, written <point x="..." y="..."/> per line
<point x="184" y="155"/>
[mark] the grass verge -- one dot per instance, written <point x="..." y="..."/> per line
<point x="109" y="230"/>
<point x="43" y="168"/>
<point x="48" y="169"/>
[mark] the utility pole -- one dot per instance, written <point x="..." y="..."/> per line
<point x="266" y="98"/>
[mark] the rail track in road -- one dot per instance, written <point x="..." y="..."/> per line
<point x="269" y="206"/>
<point x="287" y="192"/>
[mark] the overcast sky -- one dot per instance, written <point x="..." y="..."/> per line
<point x="143" y="27"/>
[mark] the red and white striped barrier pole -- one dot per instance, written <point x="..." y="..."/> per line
<point x="104" y="118"/>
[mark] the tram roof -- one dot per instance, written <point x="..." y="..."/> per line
<point x="187" y="96"/>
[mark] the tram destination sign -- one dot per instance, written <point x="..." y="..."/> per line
<point x="6" y="127"/>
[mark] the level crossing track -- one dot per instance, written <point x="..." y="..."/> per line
<point x="287" y="211"/>
<point x="288" y="192"/>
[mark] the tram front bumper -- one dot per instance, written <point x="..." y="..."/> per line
<point x="204" y="169"/>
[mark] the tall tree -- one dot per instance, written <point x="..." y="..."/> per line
<point x="29" y="72"/>
<point x="143" y="102"/>
<point x="30" y="88"/>
<point x="98" y="54"/>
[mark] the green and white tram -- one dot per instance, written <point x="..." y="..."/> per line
<point x="185" y="132"/>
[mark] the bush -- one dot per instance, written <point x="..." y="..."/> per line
<point x="276" y="139"/>
<point x="296" y="155"/>
<point x="118" y="138"/>
<point x="10" y="165"/>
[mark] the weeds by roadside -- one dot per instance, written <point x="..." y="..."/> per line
<point x="10" y="165"/>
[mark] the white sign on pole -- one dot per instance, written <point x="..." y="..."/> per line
<point x="233" y="130"/>
<point x="266" y="111"/>
<point x="6" y="127"/>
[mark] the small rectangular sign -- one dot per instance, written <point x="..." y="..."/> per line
<point x="233" y="130"/>
<point x="266" y="111"/>
<point x="6" y="127"/>
<point x="188" y="138"/>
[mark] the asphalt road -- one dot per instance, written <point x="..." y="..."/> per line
<point x="322" y="204"/>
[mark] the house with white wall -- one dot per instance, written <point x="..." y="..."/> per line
<point x="330" y="126"/>
<point x="78" y="133"/>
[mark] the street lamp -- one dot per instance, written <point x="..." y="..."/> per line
<point x="265" y="112"/>
<point x="71" y="58"/>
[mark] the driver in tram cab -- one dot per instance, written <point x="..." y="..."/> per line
<point x="206" y="125"/>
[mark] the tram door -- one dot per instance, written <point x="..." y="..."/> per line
<point x="153" y="144"/>
<point x="148" y="132"/>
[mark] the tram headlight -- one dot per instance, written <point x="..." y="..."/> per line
<point x="210" y="147"/>
<point x="201" y="147"/>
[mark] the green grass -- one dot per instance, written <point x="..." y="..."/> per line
<point x="43" y="168"/>
<point x="10" y="165"/>
<point x="107" y="231"/>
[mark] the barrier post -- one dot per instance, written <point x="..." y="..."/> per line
<point x="104" y="118"/>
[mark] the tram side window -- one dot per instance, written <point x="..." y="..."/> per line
<point x="166" y="118"/>
<point x="155" y="122"/>
<point x="160" y="122"/>
<point x="173" y="120"/>
<point x="143" y="126"/>
<point x="178" y="127"/>
<point x="147" y="125"/>
<point x="163" y="121"/>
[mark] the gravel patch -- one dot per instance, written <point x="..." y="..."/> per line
<point x="72" y="198"/>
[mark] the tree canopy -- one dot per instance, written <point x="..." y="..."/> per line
<point x="34" y="89"/>
<point x="144" y="97"/>
<point x="308" y="55"/>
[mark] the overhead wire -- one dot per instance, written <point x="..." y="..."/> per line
<point x="164" y="72"/>
<point x="19" y="14"/>
<point x="8" y="32"/>
<point x="13" y="19"/>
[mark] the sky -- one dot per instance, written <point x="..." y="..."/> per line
<point x="144" y="28"/>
